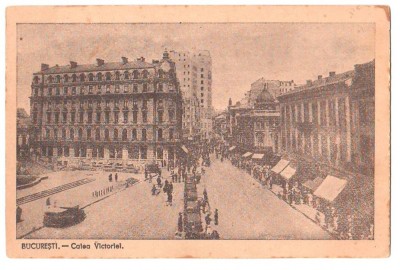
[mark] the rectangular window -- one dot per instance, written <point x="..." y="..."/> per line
<point x="135" y="88"/>
<point x="116" y="116"/>
<point x="56" y="117"/>
<point x="81" y="117"/>
<point x="145" y="87"/>
<point x="134" y="117"/>
<point x="89" y="117"/>
<point x="98" y="117"/>
<point x="107" y="117"/>
<point x="72" y="117"/>
<point x="125" y="117"/>
<point x="144" y="116"/>
<point x="65" y="90"/>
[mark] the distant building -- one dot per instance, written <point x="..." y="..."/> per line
<point x="23" y="134"/>
<point x="121" y="113"/>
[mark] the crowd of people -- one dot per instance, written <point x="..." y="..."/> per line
<point x="340" y="223"/>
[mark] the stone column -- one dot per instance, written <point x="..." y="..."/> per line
<point x="337" y="130"/>
<point x="348" y="129"/>
<point x="303" y="135"/>
<point x="311" y="121"/>
<point x="296" y="116"/>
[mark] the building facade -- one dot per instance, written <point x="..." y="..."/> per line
<point x="194" y="71"/>
<point x="125" y="112"/>
<point x="23" y="134"/>
<point x="331" y="120"/>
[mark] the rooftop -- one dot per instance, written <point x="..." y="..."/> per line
<point x="137" y="64"/>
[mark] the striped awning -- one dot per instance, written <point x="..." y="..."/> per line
<point x="282" y="164"/>
<point x="257" y="156"/>
<point x="330" y="188"/>
<point x="247" y="154"/>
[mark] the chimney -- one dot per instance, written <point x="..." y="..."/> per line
<point x="319" y="77"/>
<point x="100" y="62"/>
<point x="124" y="60"/>
<point x="44" y="67"/>
<point x="155" y="61"/>
<point x="332" y="73"/>
<point x="73" y="64"/>
<point x="140" y="59"/>
<point x="309" y="82"/>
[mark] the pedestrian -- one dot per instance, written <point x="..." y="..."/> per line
<point x="166" y="185"/>
<point x="159" y="180"/>
<point x="205" y="195"/>
<point x="110" y="177"/>
<point x="180" y="222"/>
<point x="116" y="177"/>
<point x="153" y="190"/>
<point x="207" y="219"/>
<point x="48" y="202"/>
<point x="216" y="217"/>
<point x="19" y="214"/>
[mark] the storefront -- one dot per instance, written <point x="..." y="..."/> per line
<point x="277" y="169"/>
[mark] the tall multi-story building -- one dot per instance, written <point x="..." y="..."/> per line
<point x="186" y="71"/>
<point x="121" y="112"/>
<point x="23" y="134"/>
<point x="194" y="71"/>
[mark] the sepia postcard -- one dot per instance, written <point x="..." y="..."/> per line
<point x="198" y="131"/>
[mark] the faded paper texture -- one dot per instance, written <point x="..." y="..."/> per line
<point x="238" y="132"/>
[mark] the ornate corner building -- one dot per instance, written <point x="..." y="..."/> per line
<point x="122" y="112"/>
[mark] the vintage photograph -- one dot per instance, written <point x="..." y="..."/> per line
<point x="195" y="131"/>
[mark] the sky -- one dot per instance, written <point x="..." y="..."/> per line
<point x="241" y="52"/>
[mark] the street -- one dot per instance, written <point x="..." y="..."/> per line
<point x="246" y="209"/>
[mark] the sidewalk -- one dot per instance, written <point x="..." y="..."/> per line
<point x="305" y="209"/>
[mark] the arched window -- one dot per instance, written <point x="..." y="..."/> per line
<point x="99" y="77"/>
<point x="64" y="134"/>
<point x="47" y="133"/>
<point x="144" y="134"/>
<point x="36" y="80"/>
<point x="50" y="79"/>
<point x="145" y="74"/>
<point x="160" y="135"/>
<point x="117" y="76"/>
<point x="108" y="76"/>
<point x="134" y="135"/>
<point x="80" y="133"/>
<point x="66" y="78"/>
<point x="126" y="75"/>
<point x="58" y="79"/>
<point x="91" y="77"/>
<point x="55" y="134"/>
<point x="82" y="77"/>
<point x="135" y="74"/>
<point x="73" y="77"/>
<point x="89" y="133"/>
<point x="160" y="73"/>
<point x="72" y="134"/>
<point x="124" y="135"/>
<point x="97" y="134"/>
<point x="115" y="134"/>
<point x="106" y="134"/>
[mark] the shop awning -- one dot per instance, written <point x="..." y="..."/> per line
<point x="313" y="184"/>
<point x="257" y="156"/>
<point x="247" y="154"/>
<point x="330" y="188"/>
<point x="288" y="172"/>
<point x="232" y="148"/>
<point x="282" y="164"/>
<point x="185" y="149"/>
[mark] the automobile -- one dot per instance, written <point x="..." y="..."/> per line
<point x="152" y="168"/>
<point x="60" y="217"/>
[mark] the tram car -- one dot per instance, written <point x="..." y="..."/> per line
<point x="61" y="217"/>
<point x="193" y="226"/>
